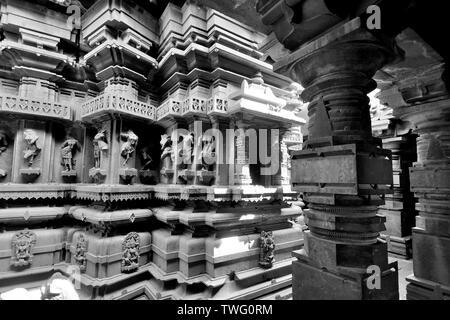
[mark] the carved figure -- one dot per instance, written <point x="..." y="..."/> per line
<point x="129" y="146"/>
<point x="3" y="142"/>
<point x="267" y="248"/>
<point x="68" y="149"/>
<point x="31" y="149"/>
<point x="187" y="148"/>
<point x="147" y="160"/>
<point x="3" y="147"/>
<point x="166" y="147"/>
<point x="100" y="145"/>
<point x="80" y="252"/>
<point x="22" y="245"/>
<point x="208" y="152"/>
<point x="130" y="256"/>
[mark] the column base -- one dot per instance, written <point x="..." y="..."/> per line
<point x="312" y="283"/>
<point x="431" y="257"/>
<point x="419" y="289"/>
<point x="399" y="247"/>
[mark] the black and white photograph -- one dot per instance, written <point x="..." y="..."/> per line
<point x="251" y="154"/>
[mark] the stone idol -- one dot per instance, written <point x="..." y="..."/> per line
<point x="130" y="256"/>
<point x="22" y="246"/>
<point x="127" y="151"/>
<point x="68" y="149"/>
<point x="30" y="153"/>
<point x="267" y="248"/>
<point x="3" y="148"/>
<point x="100" y="146"/>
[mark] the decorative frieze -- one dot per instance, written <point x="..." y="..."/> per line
<point x="35" y="107"/>
<point x="111" y="104"/>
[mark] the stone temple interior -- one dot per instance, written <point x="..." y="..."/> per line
<point x="224" y="150"/>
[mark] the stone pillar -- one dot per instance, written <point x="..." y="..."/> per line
<point x="429" y="114"/>
<point x="399" y="207"/>
<point x="242" y="168"/>
<point x="222" y="167"/>
<point x="342" y="170"/>
<point x="282" y="178"/>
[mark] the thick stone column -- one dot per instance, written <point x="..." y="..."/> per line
<point x="429" y="114"/>
<point x="342" y="169"/>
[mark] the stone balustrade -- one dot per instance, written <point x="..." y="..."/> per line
<point x="109" y="103"/>
<point x="170" y="108"/>
<point x="34" y="107"/>
<point x="217" y="106"/>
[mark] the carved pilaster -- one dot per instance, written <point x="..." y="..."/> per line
<point x="242" y="168"/>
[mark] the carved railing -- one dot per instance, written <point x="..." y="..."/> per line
<point x="194" y="105"/>
<point x="109" y="103"/>
<point x="170" y="108"/>
<point x="35" y="107"/>
<point x="217" y="106"/>
<point x="292" y="138"/>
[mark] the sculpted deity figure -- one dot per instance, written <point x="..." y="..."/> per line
<point x="31" y="149"/>
<point x="68" y="149"/>
<point x="208" y="152"/>
<point x="267" y="248"/>
<point x="3" y="142"/>
<point x="129" y="146"/>
<point x="130" y="255"/>
<point x="100" y="145"/>
<point x="186" y="152"/>
<point x="147" y="159"/>
<point x="167" y="147"/>
<point x="3" y="147"/>
<point x="80" y="252"/>
<point x="22" y="244"/>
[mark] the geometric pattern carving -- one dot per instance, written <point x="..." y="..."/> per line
<point x="35" y="107"/>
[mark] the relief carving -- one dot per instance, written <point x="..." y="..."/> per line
<point x="267" y="248"/>
<point x="130" y="255"/>
<point x="129" y="147"/>
<point x="100" y="146"/>
<point x="32" y="149"/>
<point x="3" y="148"/>
<point x="68" y="149"/>
<point x="81" y="248"/>
<point x="22" y="246"/>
